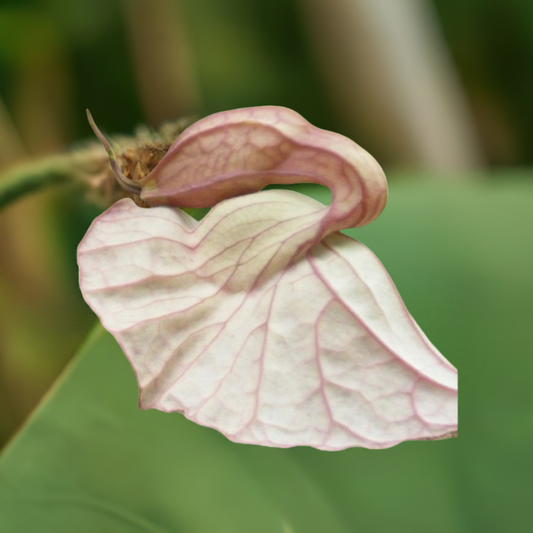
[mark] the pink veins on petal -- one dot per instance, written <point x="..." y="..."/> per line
<point x="261" y="320"/>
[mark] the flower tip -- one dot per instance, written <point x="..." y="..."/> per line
<point x="99" y="134"/>
<point x="126" y="183"/>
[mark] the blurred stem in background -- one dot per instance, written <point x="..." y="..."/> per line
<point x="163" y="59"/>
<point x="391" y="55"/>
<point x="31" y="177"/>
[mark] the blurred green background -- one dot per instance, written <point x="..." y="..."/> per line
<point x="439" y="91"/>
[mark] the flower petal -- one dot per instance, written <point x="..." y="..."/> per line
<point x="243" y="150"/>
<point x="249" y="323"/>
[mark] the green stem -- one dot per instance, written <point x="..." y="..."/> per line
<point x="31" y="177"/>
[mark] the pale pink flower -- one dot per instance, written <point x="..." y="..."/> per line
<point x="262" y="320"/>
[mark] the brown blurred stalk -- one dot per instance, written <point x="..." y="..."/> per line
<point x="388" y="71"/>
<point x="163" y="59"/>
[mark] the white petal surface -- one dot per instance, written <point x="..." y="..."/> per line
<point x="248" y="323"/>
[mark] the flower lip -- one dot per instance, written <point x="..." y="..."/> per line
<point x="228" y="322"/>
<point x="127" y="184"/>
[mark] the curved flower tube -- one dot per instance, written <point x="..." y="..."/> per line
<point x="261" y="320"/>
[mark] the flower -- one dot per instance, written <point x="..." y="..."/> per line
<point x="262" y="320"/>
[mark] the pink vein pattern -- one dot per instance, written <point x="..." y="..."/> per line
<point x="263" y="321"/>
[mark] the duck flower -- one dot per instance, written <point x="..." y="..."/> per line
<point x="262" y="320"/>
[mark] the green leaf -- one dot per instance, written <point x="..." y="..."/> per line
<point x="89" y="460"/>
<point x="461" y="255"/>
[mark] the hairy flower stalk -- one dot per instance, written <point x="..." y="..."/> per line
<point x="262" y="320"/>
<point x="88" y="168"/>
<point x="135" y="157"/>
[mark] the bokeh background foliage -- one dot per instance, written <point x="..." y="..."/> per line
<point x="452" y="128"/>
